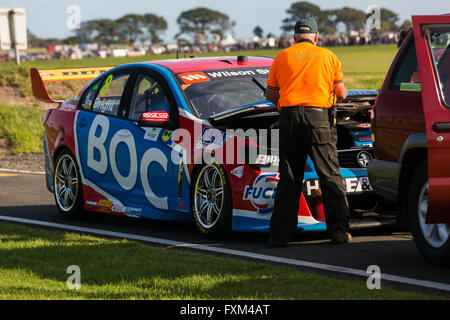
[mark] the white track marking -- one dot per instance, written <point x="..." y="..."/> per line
<point x="231" y="252"/>
<point x="22" y="171"/>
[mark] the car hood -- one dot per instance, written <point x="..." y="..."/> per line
<point x="266" y="106"/>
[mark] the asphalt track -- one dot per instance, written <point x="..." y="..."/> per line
<point x="24" y="199"/>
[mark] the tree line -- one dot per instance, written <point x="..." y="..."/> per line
<point x="208" y="24"/>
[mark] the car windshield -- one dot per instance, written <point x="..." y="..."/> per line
<point x="213" y="91"/>
<point x="440" y="46"/>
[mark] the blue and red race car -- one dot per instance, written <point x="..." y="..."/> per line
<point x="188" y="139"/>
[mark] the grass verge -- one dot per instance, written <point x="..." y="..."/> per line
<point x="33" y="265"/>
<point x="22" y="128"/>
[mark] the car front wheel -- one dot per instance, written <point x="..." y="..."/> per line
<point x="432" y="240"/>
<point x="211" y="201"/>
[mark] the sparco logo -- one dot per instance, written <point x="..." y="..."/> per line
<point x="262" y="192"/>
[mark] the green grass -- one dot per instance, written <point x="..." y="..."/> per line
<point x="33" y="265"/>
<point x="22" y="127"/>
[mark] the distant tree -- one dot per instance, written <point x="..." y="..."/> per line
<point x="130" y="27"/>
<point x="258" y="32"/>
<point x="203" y="21"/>
<point x="353" y="19"/>
<point x="328" y="21"/>
<point x="106" y="31"/>
<point x="389" y="20"/>
<point x="299" y="10"/>
<point x="155" y="26"/>
<point x="86" y="31"/>
<point x="304" y="9"/>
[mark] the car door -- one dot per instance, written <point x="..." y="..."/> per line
<point x="432" y="38"/>
<point x="158" y="173"/>
<point x="98" y="125"/>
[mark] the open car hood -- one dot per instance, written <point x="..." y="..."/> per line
<point x="266" y="106"/>
<point x="246" y="110"/>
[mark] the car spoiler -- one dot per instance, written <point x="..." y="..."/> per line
<point x="39" y="77"/>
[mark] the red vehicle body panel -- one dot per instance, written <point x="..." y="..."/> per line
<point x="398" y="114"/>
<point x="435" y="112"/>
<point x="212" y="63"/>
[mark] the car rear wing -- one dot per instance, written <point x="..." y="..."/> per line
<point x="39" y="77"/>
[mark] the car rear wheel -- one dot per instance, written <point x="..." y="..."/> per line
<point x="211" y="201"/>
<point x="68" y="188"/>
<point x="432" y="240"/>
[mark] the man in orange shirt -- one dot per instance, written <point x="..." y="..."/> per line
<point x="304" y="82"/>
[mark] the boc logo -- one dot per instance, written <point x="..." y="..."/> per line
<point x="262" y="192"/>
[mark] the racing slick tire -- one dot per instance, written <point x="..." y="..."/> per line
<point x="432" y="240"/>
<point x="211" y="201"/>
<point x="67" y="186"/>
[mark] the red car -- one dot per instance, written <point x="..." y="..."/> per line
<point x="411" y="134"/>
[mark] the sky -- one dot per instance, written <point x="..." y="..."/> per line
<point x="48" y="18"/>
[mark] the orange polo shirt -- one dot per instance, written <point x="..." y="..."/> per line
<point x="305" y="75"/>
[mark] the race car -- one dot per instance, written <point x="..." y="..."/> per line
<point x="186" y="139"/>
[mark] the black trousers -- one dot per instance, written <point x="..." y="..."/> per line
<point x="307" y="131"/>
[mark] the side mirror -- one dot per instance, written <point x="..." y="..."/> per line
<point x="154" y="119"/>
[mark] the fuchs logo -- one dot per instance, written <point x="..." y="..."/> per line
<point x="262" y="192"/>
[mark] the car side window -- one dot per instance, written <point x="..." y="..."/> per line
<point x="148" y="96"/>
<point x="407" y="71"/>
<point x="88" y="99"/>
<point x="110" y="93"/>
<point x="439" y="41"/>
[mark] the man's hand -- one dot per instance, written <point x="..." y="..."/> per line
<point x="273" y="95"/>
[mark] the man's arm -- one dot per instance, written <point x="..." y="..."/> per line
<point x="341" y="91"/>
<point x="273" y="95"/>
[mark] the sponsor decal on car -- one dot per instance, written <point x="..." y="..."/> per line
<point x="238" y="172"/>
<point x="264" y="159"/>
<point x="120" y="208"/>
<point x="211" y="139"/>
<point x="365" y="139"/>
<point x="364" y="158"/>
<point x="157" y="116"/>
<point x="193" y="77"/>
<point x="104" y="206"/>
<point x="107" y="105"/>
<point x="91" y="204"/>
<point x="352" y="185"/>
<point x="262" y="193"/>
<point x="152" y="134"/>
<point x="237" y="73"/>
<point x="167" y="135"/>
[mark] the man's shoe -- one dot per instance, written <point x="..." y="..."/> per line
<point x="277" y="244"/>
<point x="341" y="237"/>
